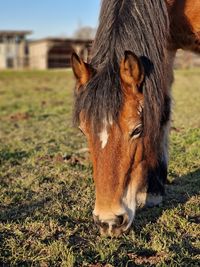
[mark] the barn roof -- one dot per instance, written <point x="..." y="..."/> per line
<point x="14" y="33"/>
<point x="62" y="39"/>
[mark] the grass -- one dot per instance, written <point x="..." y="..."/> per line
<point x="46" y="188"/>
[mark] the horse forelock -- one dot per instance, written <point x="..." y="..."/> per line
<point x="99" y="103"/>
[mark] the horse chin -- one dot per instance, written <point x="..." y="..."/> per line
<point x="115" y="233"/>
<point x="112" y="225"/>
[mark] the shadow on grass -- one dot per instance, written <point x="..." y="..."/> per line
<point x="179" y="192"/>
<point x="19" y="212"/>
<point x="13" y="157"/>
<point x="182" y="189"/>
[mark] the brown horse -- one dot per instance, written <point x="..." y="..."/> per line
<point x="122" y="102"/>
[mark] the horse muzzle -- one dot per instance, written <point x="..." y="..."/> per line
<point x="115" y="227"/>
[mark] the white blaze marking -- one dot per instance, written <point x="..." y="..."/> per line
<point x="104" y="133"/>
<point x="104" y="137"/>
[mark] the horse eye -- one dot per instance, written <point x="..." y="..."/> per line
<point x="136" y="132"/>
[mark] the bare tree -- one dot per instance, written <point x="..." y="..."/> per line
<point x="85" y="32"/>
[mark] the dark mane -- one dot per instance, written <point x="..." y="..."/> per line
<point x="139" y="26"/>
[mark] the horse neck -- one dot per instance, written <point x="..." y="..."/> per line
<point x="184" y="24"/>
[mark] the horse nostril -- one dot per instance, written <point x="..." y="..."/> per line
<point x="120" y="220"/>
<point x="104" y="225"/>
<point x="97" y="221"/>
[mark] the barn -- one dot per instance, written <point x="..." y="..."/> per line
<point x="51" y="53"/>
<point x="18" y="52"/>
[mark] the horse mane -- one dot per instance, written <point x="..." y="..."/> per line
<point x="139" y="26"/>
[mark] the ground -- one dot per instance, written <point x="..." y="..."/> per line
<point x="46" y="188"/>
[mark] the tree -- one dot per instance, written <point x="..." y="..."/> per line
<point x="85" y="32"/>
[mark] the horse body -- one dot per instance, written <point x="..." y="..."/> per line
<point x="184" y="24"/>
<point x="123" y="104"/>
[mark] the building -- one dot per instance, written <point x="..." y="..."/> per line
<point x="17" y="52"/>
<point x="13" y="49"/>
<point x="52" y="53"/>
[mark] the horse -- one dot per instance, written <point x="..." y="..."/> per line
<point x="123" y="102"/>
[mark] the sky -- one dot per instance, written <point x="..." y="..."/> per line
<point x="48" y="17"/>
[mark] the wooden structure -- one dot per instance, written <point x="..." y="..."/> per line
<point x="50" y="53"/>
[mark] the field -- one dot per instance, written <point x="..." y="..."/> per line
<point x="46" y="188"/>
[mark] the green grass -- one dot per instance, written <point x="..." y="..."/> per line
<point x="46" y="188"/>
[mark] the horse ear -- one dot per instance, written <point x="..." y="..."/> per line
<point x="82" y="71"/>
<point x="131" y="70"/>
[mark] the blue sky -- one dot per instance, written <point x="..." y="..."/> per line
<point x="48" y="17"/>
